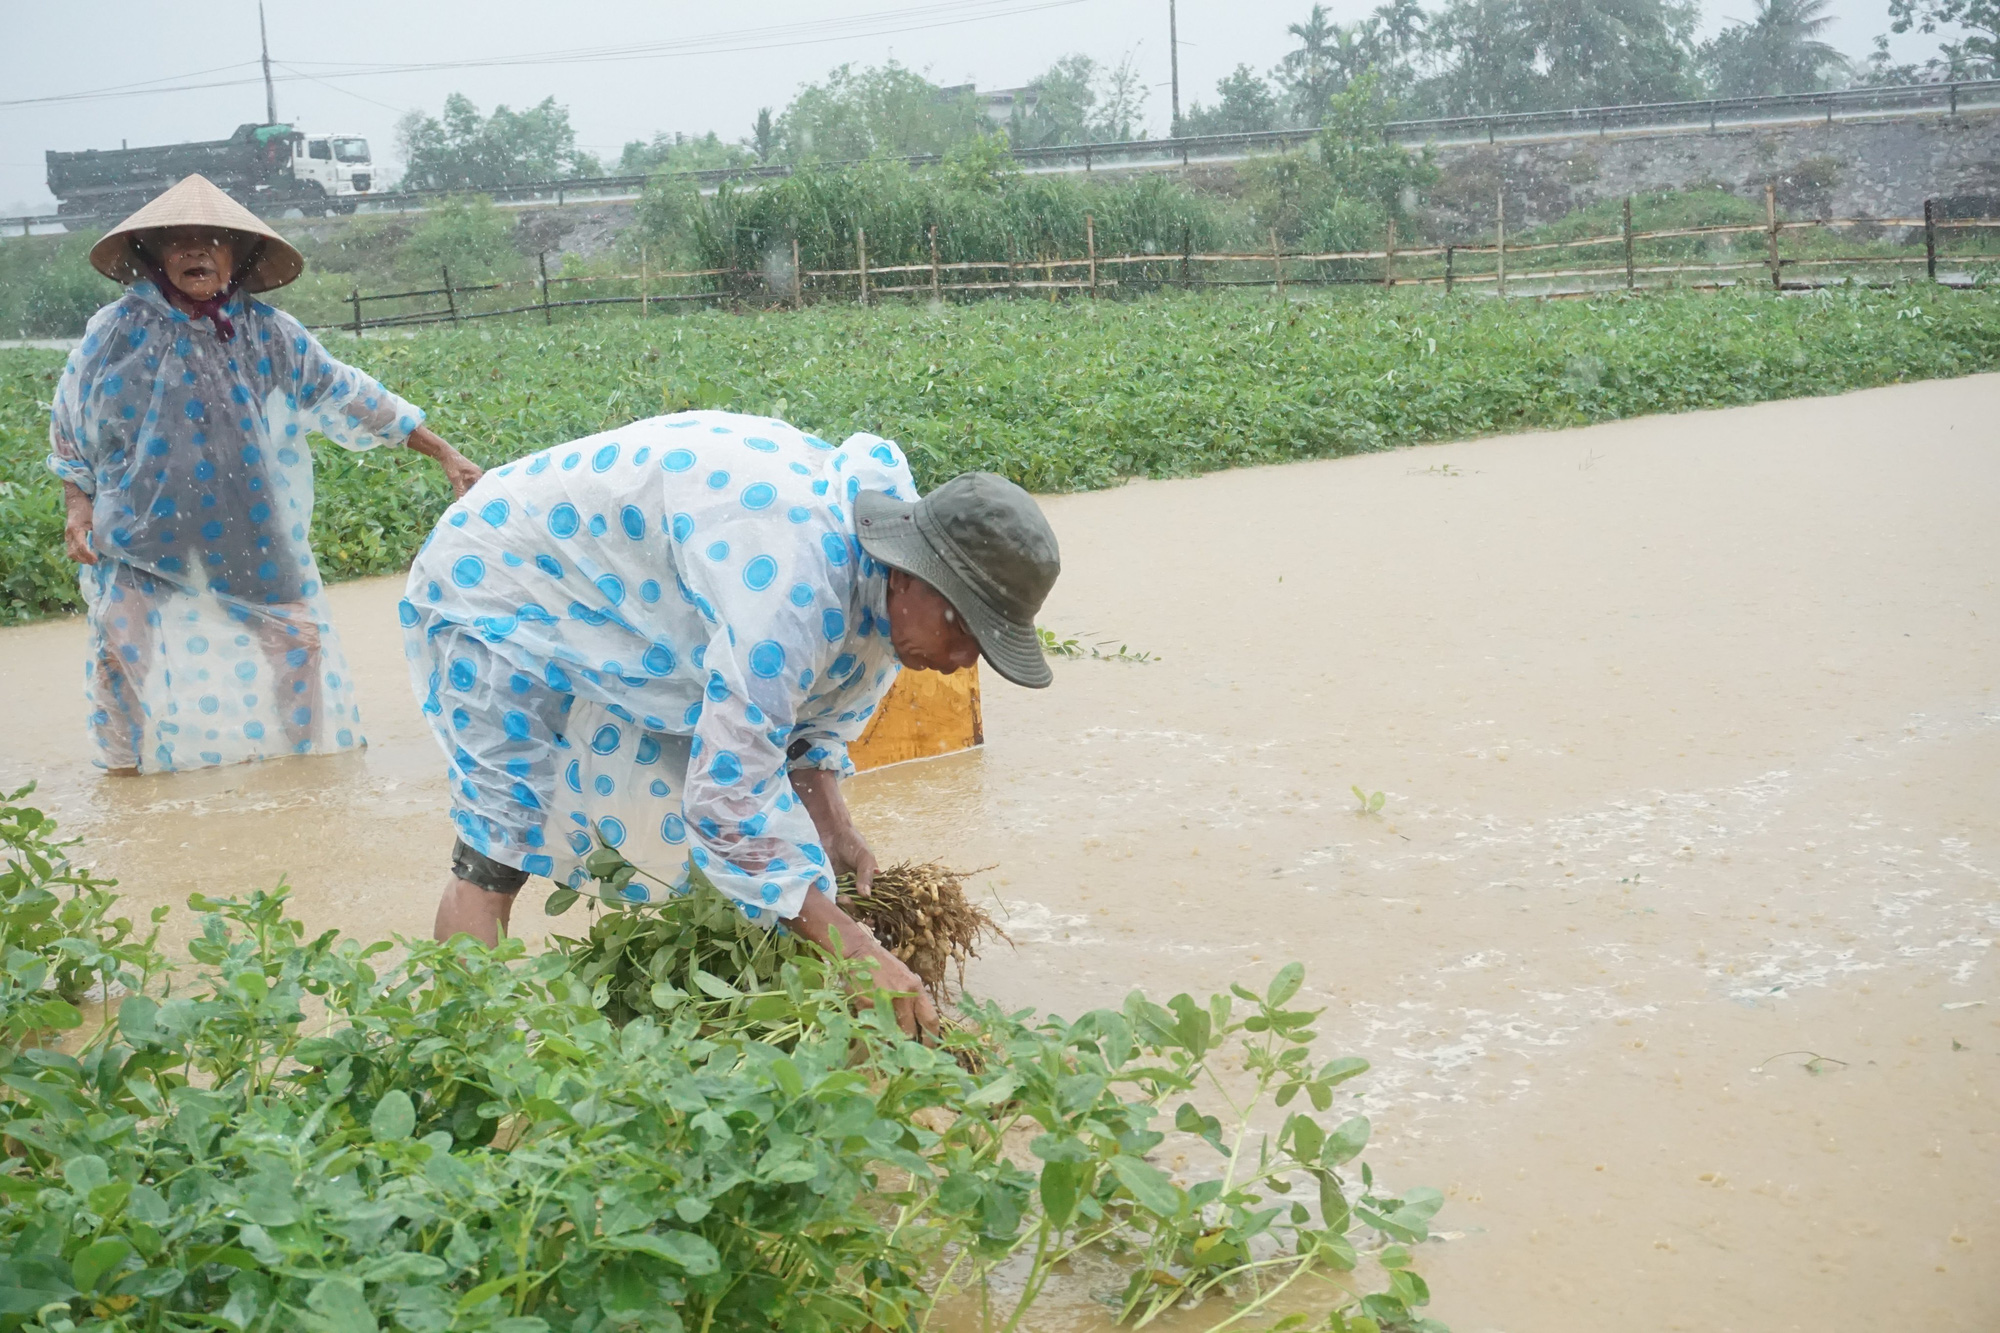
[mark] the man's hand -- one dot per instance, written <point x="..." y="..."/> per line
<point x="77" y="525"/>
<point x="460" y="471"/>
<point x="819" y="789"/>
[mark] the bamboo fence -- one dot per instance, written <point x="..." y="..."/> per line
<point x="1581" y="266"/>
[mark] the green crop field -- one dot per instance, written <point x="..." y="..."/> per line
<point x="1061" y="396"/>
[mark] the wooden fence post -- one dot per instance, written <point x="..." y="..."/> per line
<point x="1090" y="248"/>
<point x="798" y="278"/>
<point x="1389" y="255"/>
<point x="644" y="291"/>
<point x="1628" y="243"/>
<point x="1771" y="233"/>
<point x="1013" y="262"/>
<point x="1500" y="238"/>
<point x="1450" y="254"/>
<point x="357" y="312"/>
<point x="937" y="275"/>
<point x="1187" y="257"/>
<point x="450" y="297"/>
<point x="861" y="252"/>
<point x="542" y="260"/>
<point x="1930" y="239"/>
<point x="1277" y="263"/>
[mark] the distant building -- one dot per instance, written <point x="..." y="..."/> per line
<point x="999" y="103"/>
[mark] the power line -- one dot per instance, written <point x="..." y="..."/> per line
<point x="142" y="86"/>
<point x="344" y="92"/>
<point x="768" y="36"/>
<point x="809" y="33"/>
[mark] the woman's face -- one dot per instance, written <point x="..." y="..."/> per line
<point x="924" y="628"/>
<point x="198" y="260"/>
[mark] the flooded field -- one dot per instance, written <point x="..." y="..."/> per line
<point x="1671" y="941"/>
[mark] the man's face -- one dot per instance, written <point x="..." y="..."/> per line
<point x="925" y="629"/>
<point x="198" y="260"/>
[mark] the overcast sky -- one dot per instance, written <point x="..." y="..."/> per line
<point x="769" y="48"/>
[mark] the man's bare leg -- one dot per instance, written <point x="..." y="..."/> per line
<point x="467" y="909"/>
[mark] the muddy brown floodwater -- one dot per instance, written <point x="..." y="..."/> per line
<point x="1691" y="750"/>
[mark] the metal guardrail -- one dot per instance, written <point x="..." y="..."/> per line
<point x="1851" y="103"/>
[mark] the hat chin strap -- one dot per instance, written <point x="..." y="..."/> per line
<point x="211" y="307"/>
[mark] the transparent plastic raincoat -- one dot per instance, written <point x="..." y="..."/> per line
<point x="630" y="640"/>
<point x="210" y="642"/>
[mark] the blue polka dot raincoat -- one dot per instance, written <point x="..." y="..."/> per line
<point x="210" y="642"/>
<point x="630" y="640"/>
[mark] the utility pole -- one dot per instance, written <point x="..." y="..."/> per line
<point x="1174" y="61"/>
<point x="270" y="97"/>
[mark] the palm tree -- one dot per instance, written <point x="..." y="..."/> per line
<point x="1400" y="25"/>
<point x="1328" y="58"/>
<point x="1778" y="51"/>
<point x="1311" y="73"/>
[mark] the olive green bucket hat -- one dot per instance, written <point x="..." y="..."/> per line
<point x="982" y="542"/>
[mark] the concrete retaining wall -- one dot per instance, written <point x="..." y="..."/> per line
<point x="1883" y="168"/>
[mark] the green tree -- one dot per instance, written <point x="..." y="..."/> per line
<point x="462" y="151"/>
<point x="1343" y="192"/>
<point x="1778" y="51"/>
<point x="1245" y="104"/>
<point x="764" y="135"/>
<point x="1976" y="54"/>
<point x="1328" y="57"/>
<point x="1077" y="100"/>
<point x="882" y="111"/>
<point x="1121" y="105"/>
<point x="1355" y="149"/>
<point x="681" y="152"/>
<point x="1056" y="109"/>
<point x="1537" y="55"/>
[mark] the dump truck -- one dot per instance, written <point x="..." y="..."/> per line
<point x="268" y="168"/>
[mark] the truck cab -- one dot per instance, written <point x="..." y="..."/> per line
<point x="337" y="163"/>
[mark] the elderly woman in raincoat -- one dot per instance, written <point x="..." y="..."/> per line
<point x="660" y="640"/>
<point x="178" y="430"/>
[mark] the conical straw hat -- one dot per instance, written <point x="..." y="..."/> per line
<point x="198" y="202"/>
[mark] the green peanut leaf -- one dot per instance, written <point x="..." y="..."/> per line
<point x="394" y="1118"/>
<point x="94" y="1261"/>
<point x="693" y="1253"/>
<point x="1059" y="1187"/>
<point x="1149" y="1185"/>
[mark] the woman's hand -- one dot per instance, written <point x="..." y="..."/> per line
<point x="819" y="789"/>
<point x="77" y="525"/>
<point x="460" y="471"/>
<point x="848" y="851"/>
<point x="915" y="1013"/>
<point x="820" y="919"/>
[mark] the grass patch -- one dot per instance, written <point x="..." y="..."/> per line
<point x="1060" y="396"/>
